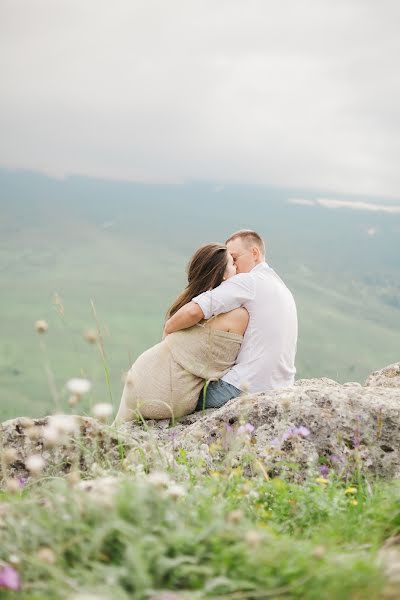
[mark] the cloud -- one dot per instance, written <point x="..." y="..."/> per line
<point x="301" y="94"/>
<point x="351" y="204"/>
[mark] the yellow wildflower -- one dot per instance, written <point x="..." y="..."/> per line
<point x="354" y="502"/>
<point x="321" y="480"/>
<point x="350" y="490"/>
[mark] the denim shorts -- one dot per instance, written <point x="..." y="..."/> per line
<point x="217" y="394"/>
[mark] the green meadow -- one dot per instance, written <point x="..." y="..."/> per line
<point x="87" y="254"/>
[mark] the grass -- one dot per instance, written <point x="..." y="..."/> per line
<point x="220" y="537"/>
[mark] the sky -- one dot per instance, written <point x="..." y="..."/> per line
<point x="300" y="93"/>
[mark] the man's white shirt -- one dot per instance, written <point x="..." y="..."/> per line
<point x="267" y="355"/>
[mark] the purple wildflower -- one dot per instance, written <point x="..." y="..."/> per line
<point x="9" y="578"/>
<point x="324" y="470"/>
<point x="247" y="428"/>
<point x="293" y="431"/>
<point x="22" y="481"/>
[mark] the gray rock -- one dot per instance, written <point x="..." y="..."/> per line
<point x="290" y="432"/>
<point x="388" y="376"/>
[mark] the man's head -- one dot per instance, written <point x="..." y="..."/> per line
<point x="247" y="249"/>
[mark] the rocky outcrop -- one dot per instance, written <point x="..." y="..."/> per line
<point x="387" y="377"/>
<point x="318" y="425"/>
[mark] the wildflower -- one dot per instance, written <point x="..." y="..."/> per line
<point x="51" y="436"/>
<point x="324" y="471"/>
<point x="10" y="455"/>
<point x="296" y="431"/>
<point x="350" y="490"/>
<point x="14" y="559"/>
<point x="9" y="578"/>
<point x="176" y="491"/>
<point x="247" y="428"/>
<point x="41" y="326"/>
<point x="321" y="480"/>
<point x="46" y="555"/>
<point x="78" y="386"/>
<point x="35" y="464"/>
<point x="90" y="336"/>
<point x="354" y="502"/>
<point x="64" y="424"/>
<point x="102" y="411"/>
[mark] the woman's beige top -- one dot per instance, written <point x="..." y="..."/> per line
<point x="166" y="380"/>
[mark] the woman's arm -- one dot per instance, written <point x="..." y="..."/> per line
<point x="185" y="317"/>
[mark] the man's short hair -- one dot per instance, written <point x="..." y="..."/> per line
<point x="250" y="238"/>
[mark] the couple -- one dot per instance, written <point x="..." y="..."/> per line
<point x="233" y="329"/>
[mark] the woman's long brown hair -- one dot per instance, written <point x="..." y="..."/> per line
<point x="205" y="271"/>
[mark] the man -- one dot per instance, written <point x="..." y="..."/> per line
<point x="267" y="355"/>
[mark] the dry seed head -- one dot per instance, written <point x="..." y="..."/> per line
<point x="10" y="455"/>
<point x="73" y="478"/>
<point x="253" y="538"/>
<point x="102" y="411"/>
<point x="74" y="399"/>
<point x="41" y="326"/>
<point x="176" y="491"/>
<point x="12" y="485"/>
<point x="64" y="423"/>
<point x="51" y="436"/>
<point x="46" y="555"/>
<point x="78" y="385"/>
<point x="235" y="516"/>
<point x="90" y="336"/>
<point x="33" y="433"/>
<point x="35" y="464"/>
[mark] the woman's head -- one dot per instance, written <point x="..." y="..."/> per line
<point x="210" y="265"/>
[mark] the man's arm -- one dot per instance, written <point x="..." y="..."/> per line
<point x="185" y="317"/>
<point x="231" y="294"/>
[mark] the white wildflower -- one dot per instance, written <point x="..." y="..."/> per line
<point x="64" y="423"/>
<point x="51" y="436"/>
<point x="41" y="326"/>
<point x="78" y="386"/>
<point x="102" y="411"/>
<point x="35" y="464"/>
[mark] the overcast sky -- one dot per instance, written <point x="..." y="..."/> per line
<point x="299" y="93"/>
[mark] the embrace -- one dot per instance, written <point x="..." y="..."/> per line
<point x="232" y="330"/>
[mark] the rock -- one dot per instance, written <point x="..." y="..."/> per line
<point x="289" y="432"/>
<point x="387" y="377"/>
<point x="75" y="443"/>
<point x="350" y="427"/>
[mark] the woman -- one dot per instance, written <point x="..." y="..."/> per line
<point x="166" y="380"/>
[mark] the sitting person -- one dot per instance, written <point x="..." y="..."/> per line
<point x="166" y="380"/>
<point x="266" y="360"/>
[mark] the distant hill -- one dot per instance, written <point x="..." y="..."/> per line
<point x="125" y="246"/>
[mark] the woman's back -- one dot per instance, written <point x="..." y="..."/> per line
<point x="166" y="380"/>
